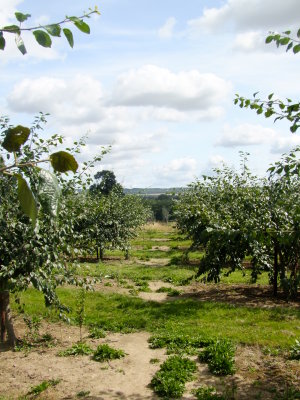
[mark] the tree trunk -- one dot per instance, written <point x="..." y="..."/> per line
<point x="7" y="328"/>
<point x="101" y="254"/>
<point x="97" y="251"/>
<point x="126" y="254"/>
<point x="275" y="283"/>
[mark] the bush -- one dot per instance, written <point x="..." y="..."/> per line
<point x="78" y="349"/>
<point x="295" y="350"/>
<point x="105" y="353"/>
<point x="170" y="380"/>
<point x="207" y="393"/>
<point x="97" y="333"/>
<point x="220" y="357"/>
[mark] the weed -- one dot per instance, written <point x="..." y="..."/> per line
<point x="97" y="333"/>
<point x="220" y="357"/>
<point x="36" y="390"/>
<point x="78" y="349"/>
<point x="80" y="310"/>
<point x="108" y="284"/>
<point x="170" y="380"/>
<point x="179" y="343"/>
<point x="170" y="291"/>
<point x="289" y="393"/>
<point x="154" y="360"/>
<point x="83" y="393"/>
<point x="207" y="393"/>
<point x="106" y="353"/>
<point x="295" y="350"/>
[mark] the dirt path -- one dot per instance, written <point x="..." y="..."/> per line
<point x="129" y="377"/>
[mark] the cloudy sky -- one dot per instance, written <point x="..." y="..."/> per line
<point x="156" y="80"/>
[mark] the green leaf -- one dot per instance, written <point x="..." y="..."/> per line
<point x="63" y="162"/>
<point x="284" y="41"/>
<point x="42" y="38"/>
<point x="20" y="44"/>
<point x="48" y="192"/>
<point x="269" y="39"/>
<point x="53" y="30"/>
<point x="82" y="26"/>
<point x="298" y="33"/>
<point x="69" y="35"/>
<point x="26" y="199"/>
<point x="293" y="128"/>
<point x="289" y="46"/>
<point x="2" y="41"/>
<point x="22" y="17"/>
<point x="296" y="49"/>
<point x="15" y="137"/>
<point x="270" y="96"/>
<point x="12" y="28"/>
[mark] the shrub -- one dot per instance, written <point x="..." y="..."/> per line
<point x="295" y="350"/>
<point x="207" y="393"/>
<point x="105" y="353"/>
<point x="220" y="357"/>
<point x="170" y="380"/>
<point x="179" y="343"/>
<point x="97" y="333"/>
<point x="78" y="349"/>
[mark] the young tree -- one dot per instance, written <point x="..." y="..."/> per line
<point x="232" y="215"/>
<point x="30" y="253"/>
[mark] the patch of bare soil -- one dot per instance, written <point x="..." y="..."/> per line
<point x="154" y="262"/>
<point x="161" y="248"/>
<point x="128" y="378"/>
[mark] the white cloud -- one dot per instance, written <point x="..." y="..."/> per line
<point x="180" y="171"/>
<point x="251" y="135"/>
<point x="214" y="161"/>
<point x="251" y="41"/>
<point x="245" y="135"/>
<point x="159" y="87"/>
<point x="76" y="99"/>
<point x="7" y="10"/>
<point x="166" y="31"/>
<point x="285" y="144"/>
<point x="246" y="15"/>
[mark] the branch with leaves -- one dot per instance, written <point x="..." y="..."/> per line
<point x="285" y="39"/>
<point x="43" y="33"/>
<point x="282" y="110"/>
<point x="273" y="107"/>
<point x="14" y="142"/>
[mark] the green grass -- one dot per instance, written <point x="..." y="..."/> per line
<point x="136" y="272"/>
<point x="275" y="327"/>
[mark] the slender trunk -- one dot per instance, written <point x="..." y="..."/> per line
<point x="126" y="254"/>
<point x="101" y="253"/>
<point x="7" y="328"/>
<point x="275" y="283"/>
<point x="97" y="251"/>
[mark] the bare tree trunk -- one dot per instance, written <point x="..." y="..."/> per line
<point x="275" y="283"/>
<point x="7" y="328"/>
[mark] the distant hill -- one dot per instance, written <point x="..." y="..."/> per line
<point x="153" y="191"/>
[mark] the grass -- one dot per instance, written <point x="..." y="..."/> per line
<point x="274" y="327"/>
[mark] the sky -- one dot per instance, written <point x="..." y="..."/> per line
<point x="156" y="80"/>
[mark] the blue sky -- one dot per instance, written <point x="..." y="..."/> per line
<point x="156" y="80"/>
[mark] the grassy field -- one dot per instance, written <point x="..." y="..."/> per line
<point x="274" y="326"/>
